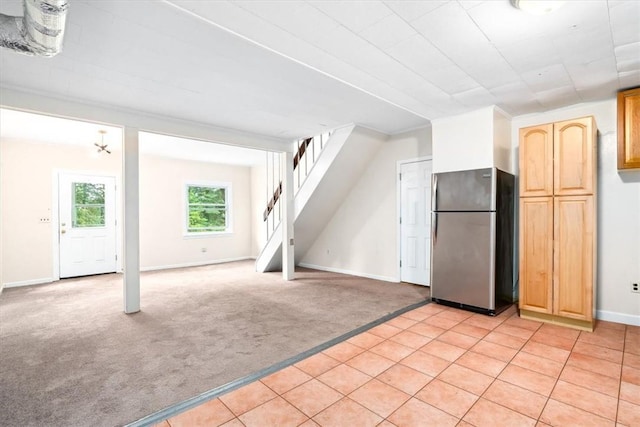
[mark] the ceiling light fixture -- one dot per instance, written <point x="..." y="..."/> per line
<point x="102" y="146"/>
<point x="537" y="7"/>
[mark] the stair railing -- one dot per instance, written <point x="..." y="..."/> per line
<point x="308" y="152"/>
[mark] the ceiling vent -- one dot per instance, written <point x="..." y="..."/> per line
<point x="39" y="32"/>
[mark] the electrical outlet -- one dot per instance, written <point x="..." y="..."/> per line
<point x="635" y="287"/>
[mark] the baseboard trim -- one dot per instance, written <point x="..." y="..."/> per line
<point x="194" y="264"/>
<point x="612" y="316"/>
<point x="28" y="282"/>
<point x="153" y="268"/>
<point x="583" y="325"/>
<point x="349" y="272"/>
<point x="163" y="414"/>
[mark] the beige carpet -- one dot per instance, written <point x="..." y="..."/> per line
<point x="70" y="357"/>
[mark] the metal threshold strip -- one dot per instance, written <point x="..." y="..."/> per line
<point x="170" y="411"/>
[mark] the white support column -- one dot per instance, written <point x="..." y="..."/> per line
<point x="131" y="264"/>
<point x="288" y="259"/>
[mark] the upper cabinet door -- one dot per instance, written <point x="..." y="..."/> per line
<point x="536" y="161"/>
<point x="629" y="129"/>
<point x="574" y="157"/>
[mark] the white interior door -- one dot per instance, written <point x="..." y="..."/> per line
<point x="87" y="228"/>
<point x="415" y="222"/>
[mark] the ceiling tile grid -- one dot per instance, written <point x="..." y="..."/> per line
<point x="283" y="68"/>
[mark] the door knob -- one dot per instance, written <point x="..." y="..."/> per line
<point x="63" y="231"/>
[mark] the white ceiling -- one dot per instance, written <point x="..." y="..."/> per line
<point x="293" y="68"/>
<point x="42" y="129"/>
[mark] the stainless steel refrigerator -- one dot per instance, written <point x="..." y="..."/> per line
<point x="472" y="239"/>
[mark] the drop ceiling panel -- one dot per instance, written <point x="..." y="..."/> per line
<point x="419" y="55"/>
<point x="488" y="67"/>
<point x="516" y="97"/>
<point x="437" y="27"/>
<point x="594" y="74"/>
<point x="556" y="97"/>
<point x="629" y="79"/>
<point x="424" y="59"/>
<point x="355" y="15"/>
<point x="475" y="98"/>
<point x="388" y="32"/>
<point x="624" y="17"/>
<point x="412" y="10"/>
<point x="503" y="24"/>
<point x="547" y="78"/>
<point x="282" y="68"/>
<point x="273" y="37"/>
<point x="299" y="19"/>
<point x="524" y="55"/>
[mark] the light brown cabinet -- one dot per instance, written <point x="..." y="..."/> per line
<point x="573" y="257"/>
<point x="536" y="254"/>
<point x="557" y="222"/>
<point x="629" y="129"/>
<point x="536" y="161"/>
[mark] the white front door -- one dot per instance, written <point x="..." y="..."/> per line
<point x="415" y="222"/>
<point x="87" y="228"/>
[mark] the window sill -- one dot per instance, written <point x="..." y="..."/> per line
<point x="207" y="235"/>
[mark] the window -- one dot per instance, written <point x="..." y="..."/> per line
<point x="88" y="205"/>
<point x="208" y="208"/>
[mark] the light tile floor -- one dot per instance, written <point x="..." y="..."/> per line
<point x="439" y="366"/>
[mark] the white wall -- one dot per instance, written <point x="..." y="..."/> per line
<point x="361" y="237"/>
<point x="502" y="141"/>
<point x="475" y="140"/>
<point x="27" y="187"/>
<point x="465" y="141"/>
<point x="26" y="179"/>
<point x="618" y="212"/>
<point x="162" y="213"/>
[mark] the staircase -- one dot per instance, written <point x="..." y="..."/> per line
<point x="319" y="190"/>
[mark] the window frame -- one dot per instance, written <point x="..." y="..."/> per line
<point x="75" y="205"/>
<point x="228" y="209"/>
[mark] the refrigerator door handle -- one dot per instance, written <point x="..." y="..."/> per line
<point x="434" y="193"/>
<point x="434" y="228"/>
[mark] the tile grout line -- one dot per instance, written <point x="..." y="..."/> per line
<point x="494" y="379"/>
<point x="564" y="365"/>
<point x="624" y="346"/>
<point x="558" y="379"/>
<point x="466" y="351"/>
<point x="195" y="401"/>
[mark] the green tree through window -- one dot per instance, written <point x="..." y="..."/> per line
<point x="207" y="209"/>
<point x="88" y="204"/>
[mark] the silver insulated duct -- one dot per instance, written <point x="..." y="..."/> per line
<point x="39" y="32"/>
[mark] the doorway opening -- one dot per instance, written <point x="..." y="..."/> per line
<point x="86" y="224"/>
<point x="414" y="182"/>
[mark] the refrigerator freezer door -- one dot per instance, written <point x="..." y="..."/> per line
<point x="463" y="258"/>
<point x="472" y="190"/>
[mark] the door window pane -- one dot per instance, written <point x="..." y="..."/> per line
<point x="88" y="204"/>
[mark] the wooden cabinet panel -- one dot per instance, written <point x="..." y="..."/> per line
<point x="629" y="129"/>
<point x="536" y="254"/>
<point x="574" y="155"/>
<point x="573" y="257"/>
<point x="536" y="161"/>
<point x="557" y="222"/>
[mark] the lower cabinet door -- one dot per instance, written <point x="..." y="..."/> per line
<point x="573" y="257"/>
<point x="536" y="254"/>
